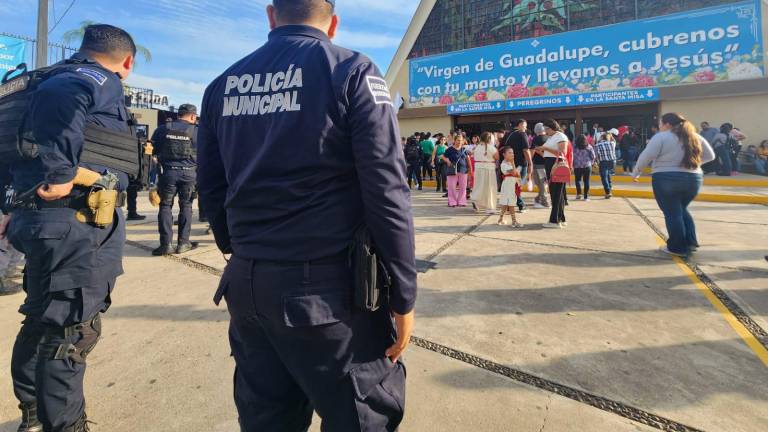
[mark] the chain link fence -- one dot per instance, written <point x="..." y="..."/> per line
<point x="56" y="52"/>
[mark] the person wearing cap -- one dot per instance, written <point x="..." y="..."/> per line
<point x="299" y="147"/>
<point x="605" y="150"/>
<point x="175" y="145"/>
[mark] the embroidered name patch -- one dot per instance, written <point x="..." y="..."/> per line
<point x="379" y="90"/>
<point x="97" y="76"/>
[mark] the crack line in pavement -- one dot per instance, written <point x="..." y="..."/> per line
<point x="599" y="402"/>
<point x="181" y="260"/>
<point x="743" y="317"/>
<point x="546" y="413"/>
<point x="456" y="239"/>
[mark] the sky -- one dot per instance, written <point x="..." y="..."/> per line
<point x="193" y="41"/>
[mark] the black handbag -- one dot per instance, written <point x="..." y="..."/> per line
<point x="371" y="278"/>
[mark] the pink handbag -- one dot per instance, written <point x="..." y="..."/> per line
<point x="561" y="172"/>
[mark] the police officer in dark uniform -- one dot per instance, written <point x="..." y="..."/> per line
<point x="71" y="265"/>
<point x="175" y="145"/>
<point x="299" y="145"/>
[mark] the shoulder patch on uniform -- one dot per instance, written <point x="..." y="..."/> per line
<point x="379" y="90"/>
<point x="97" y="76"/>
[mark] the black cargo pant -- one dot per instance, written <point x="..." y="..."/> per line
<point x="175" y="182"/>
<point x="70" y="272"/>
<point x="47" y="374"/>
<point x="299" y="345"/>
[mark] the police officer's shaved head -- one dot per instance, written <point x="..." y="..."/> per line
<point x="303" y="11"/>
<point x="108" y="41"/>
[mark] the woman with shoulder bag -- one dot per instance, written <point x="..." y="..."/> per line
<point x="458" y="169"/>
<point x="555" y="155"/>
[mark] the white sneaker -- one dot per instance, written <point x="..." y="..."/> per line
<point x="563" y="224"/>
<point x="587" y="199"/>
<point x="578" y="198"/>
<point x="539" y="206"/>
<point x="552" y="225"/>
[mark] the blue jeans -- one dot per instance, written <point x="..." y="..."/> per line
<point x="674" y="192"/>
<point x="606" y="170"/>
<point x="761" y="166"/>
<point x="724" y="157"/>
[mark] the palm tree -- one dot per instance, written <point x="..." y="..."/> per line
<point x="74" y="36"/>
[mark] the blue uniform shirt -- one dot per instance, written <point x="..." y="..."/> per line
<point x="158" y="140"/>
<point x="299" y="143"/>
<point x="80" y="92"/>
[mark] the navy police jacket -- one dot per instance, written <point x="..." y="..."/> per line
<point x="158" y="141"/>
<point x="80" y="92"/>
<point x="299" y="144"/>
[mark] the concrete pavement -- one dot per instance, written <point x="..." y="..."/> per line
<point x="592" y="309"/>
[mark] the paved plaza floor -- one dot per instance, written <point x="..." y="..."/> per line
<point x="583" y="329"/>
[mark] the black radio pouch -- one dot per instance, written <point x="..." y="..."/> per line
<point x="372" y="280"/>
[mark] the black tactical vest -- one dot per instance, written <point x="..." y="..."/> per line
<point x="178" y="144"/>
<point x="112" y="149"/>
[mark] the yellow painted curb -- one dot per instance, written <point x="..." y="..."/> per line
<point x="648" y="194"/>
<point x="708" y="181"/>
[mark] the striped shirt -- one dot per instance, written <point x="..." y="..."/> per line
<point x="606" y="151"/>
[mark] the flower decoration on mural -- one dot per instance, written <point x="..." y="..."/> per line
<point x="704" y="75"/>
<point x="642" y="81"/>
<point x="494" y="95"/>
<point x="539" y="91"/>
<point x="738" y="70"/>
<point x="481" y="96"/>
<point x="517" y="91"/>
<point x="446" y="100"/>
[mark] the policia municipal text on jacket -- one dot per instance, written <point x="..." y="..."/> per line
<point x="71" y="156"/>
<point x="298" y="148"/>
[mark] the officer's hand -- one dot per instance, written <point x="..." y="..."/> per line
<point x="53" y="192"/>
<point x="404" y="324"/>
<point x="4" y="222"/>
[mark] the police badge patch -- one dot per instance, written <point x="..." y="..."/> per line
<point x="379" y="90"/>
<point x="97" y="76"/>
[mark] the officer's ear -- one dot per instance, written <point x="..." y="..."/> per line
<point x="127" y="66"/>
<point x="271" y="16"/>
<point x="333" y="26"/>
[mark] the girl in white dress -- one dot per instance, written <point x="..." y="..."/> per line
<point x="508" y="198"/>
<point x="485" y="192"/>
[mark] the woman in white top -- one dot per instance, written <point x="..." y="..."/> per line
<point x="485" y="191"/>
<point x="555" y="148"/>
<point x="677" y="154"/>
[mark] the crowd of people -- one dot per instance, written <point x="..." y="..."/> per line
<point x="731" y="156"/>
<point x="491" y="170"/>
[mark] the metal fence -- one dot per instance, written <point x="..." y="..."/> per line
<point x="56" y="52"/>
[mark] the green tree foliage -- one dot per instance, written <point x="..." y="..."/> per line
<point x="75" y="36"/>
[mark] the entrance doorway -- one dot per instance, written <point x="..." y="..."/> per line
<point x="639" y="117"/>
